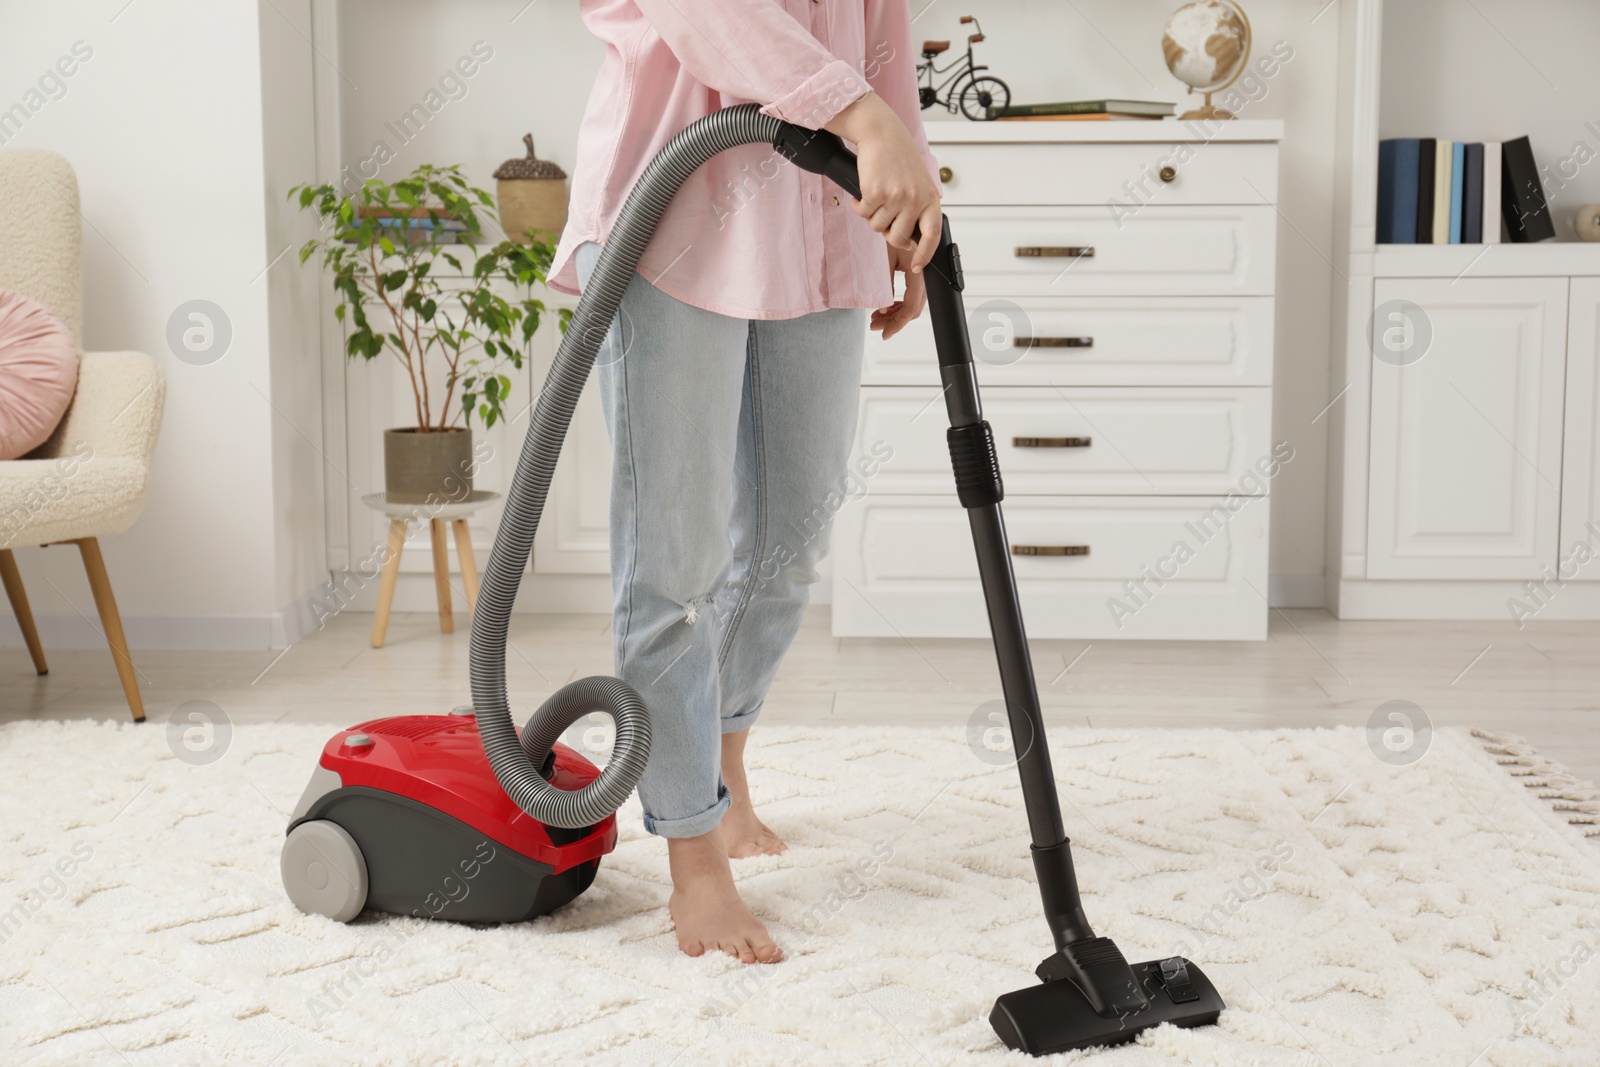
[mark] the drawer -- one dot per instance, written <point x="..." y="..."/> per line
<point x="1099" y="174"/>
<point x="1079" y="441"/>
<point x="904" y="567"/>
<point x="1083" y="251"/>
<point x="1119" y="341"/>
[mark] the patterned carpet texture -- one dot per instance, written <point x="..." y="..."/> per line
<point x="1351" y="910"/>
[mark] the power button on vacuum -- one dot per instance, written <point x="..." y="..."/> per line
<point x="955" y="268"/>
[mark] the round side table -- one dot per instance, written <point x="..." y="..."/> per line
<point x="440" y="515"/>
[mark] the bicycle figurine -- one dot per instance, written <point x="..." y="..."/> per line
<point x="963" y="90"/>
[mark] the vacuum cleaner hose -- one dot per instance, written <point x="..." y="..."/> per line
<point x="516" y="762"/>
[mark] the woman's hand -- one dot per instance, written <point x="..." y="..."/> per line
<point x="898" y="196"/>
<point x="892" y="319"/>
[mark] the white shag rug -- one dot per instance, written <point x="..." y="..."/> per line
<point x="1350" y="911"/>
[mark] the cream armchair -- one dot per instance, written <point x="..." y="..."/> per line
<point x="89" y="480"/>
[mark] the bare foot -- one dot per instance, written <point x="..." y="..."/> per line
<point x="740" y="832"/>
<point x="706" y="909"/>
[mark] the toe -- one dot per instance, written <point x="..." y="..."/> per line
<point x="692" y="948"/>
<point x="768" y="952"/>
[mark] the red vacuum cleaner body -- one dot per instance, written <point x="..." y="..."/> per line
<point x="404" y="815"/>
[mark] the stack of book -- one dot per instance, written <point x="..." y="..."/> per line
<point x="1083" y="111"/>
<point x="1450" y="192"/>
<point x="418" y="228"/>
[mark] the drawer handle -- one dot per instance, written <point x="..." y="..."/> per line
<point x="1049" y="550"/>
<point x="946" y="175"/>
<point x="1052" y="342"/>
<point x="1055" y="251"/>
<point x="1169" y="173"/>
<point x="1051" y="442"/>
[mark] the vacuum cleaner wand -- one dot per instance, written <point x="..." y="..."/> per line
<point x="1090" y="994"/>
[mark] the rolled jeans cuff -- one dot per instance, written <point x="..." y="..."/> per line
<point x="691" y="825"/>
<point x="732" y="724"/>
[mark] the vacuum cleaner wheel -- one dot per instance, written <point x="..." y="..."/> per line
<point x="324" y="871"/>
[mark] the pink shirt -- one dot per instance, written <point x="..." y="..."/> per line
<point x="749" y="235"/>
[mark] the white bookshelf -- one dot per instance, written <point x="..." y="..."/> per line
<point x="1457" y="478"/>
<point x="1549" y="259"/>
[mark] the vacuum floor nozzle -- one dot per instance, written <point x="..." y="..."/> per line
<point x="1056" y="1016"/>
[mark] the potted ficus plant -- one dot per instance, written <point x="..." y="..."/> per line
<point x="417" y="279"/>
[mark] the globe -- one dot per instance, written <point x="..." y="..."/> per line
<point x="1206" y="44"/>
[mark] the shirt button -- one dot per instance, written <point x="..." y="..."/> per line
<point x="836" y="201"/>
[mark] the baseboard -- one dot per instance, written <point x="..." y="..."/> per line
<point x="544" y="593"/>
<point x="1297" y="591"/>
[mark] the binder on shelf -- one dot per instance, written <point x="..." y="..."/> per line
<point x="1397" y="191"/>
<point x="1442" y="179"/>
<point x="1427" y="160"/>
<point x="1472" y="196"/>
<point x="1458" y="188"/>
<point x="1491" y="193"/>
<point x="1522" y="195"/>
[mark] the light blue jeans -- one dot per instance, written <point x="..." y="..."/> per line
<point x="730" y="439"/>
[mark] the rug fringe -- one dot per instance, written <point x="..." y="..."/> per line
<point x="1573" y="797"/>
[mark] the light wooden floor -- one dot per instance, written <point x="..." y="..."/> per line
<point x="1542" y="682"/>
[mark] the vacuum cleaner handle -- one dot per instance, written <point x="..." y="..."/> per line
<point x="824" y="153"/>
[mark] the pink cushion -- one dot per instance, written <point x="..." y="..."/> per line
<point x="38" y="373"/>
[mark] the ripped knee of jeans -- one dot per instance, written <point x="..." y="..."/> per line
<point x="693" y="608"/>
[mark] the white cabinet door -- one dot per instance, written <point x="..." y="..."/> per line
<point x="574" y="533"/>
<point x="1580" y="480"/>
<point x="1466" y="439"/>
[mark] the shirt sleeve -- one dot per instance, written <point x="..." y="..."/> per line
<point x="755" y="50"/>
<point x="891" y="69"/>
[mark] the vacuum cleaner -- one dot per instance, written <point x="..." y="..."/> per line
<point x="461" y="817"/>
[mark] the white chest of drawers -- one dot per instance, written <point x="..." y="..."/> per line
<point x="1119" y="291"/>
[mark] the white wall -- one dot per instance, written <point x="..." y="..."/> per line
<point x="163" y="125"/>
<point x="1545" y="84"/>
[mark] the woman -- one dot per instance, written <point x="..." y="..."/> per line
<point x="730" y="377"/>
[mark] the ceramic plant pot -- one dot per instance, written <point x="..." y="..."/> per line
<point x="427" y="467"/>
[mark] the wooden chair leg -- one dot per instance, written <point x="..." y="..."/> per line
<point x="94" y="565"/>
<point x="391" y="574"/>
<point x="441" y="577"/>
<point x="18" y="596"/>
<point x="469" y="566"/>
